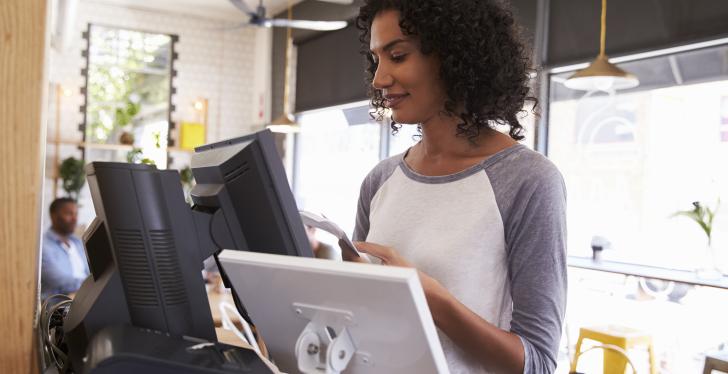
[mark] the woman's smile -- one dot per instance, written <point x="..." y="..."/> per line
<point x="394" y="100"/>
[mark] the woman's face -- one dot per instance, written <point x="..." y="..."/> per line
<point x="409" y="80"/>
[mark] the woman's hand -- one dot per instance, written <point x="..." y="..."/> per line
<point x="388" y="255"/>
<point x="467" y="329"/>
<point x="493" y="346"/>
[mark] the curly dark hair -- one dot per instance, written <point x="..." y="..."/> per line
<point x="484" y="64"/>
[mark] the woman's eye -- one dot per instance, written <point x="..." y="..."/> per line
<point x="398" y="58"/>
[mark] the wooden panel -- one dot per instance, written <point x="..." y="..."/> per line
<point x="22" y="94"/>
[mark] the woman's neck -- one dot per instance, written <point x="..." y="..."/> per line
<point x="441" y="151"/>
<point x="441" y="141"/>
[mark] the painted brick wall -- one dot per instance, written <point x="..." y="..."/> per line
<point x="229" y="67"/>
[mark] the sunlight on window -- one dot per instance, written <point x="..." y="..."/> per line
<point x="333" y="155"/>
<point x="631" y="160"/>
<point x="406" y="137"/>
<point x="128" y="95"/>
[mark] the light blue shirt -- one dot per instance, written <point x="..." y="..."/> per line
<point x="57" y="275"/>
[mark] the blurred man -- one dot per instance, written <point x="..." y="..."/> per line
<point x="64" y="264"/>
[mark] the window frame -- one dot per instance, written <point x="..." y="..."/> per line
<point x="85" y="71"/>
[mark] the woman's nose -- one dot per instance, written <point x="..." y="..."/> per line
<point x="382" y="78"/>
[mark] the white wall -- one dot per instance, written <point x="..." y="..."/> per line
<point x="229" y="67"/>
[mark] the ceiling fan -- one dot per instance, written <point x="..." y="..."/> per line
<point x="258" y="18"/>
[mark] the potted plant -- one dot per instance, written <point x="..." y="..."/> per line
<point x="188" y="182"/>
<point x="703" y="215"/>
<point x="136" y="156"/>
<point x="73" y="176"/>
<point x="123" y="117"/>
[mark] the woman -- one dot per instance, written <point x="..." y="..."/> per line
<point x="480" y="216"/>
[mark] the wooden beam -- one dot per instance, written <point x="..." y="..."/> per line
<point x="23" y="86"/>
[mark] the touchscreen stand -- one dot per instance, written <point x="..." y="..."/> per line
<point x="325" y="343"/>
<point x="320" y="316"/>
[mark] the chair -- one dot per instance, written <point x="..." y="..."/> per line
<point x="607" y="348"/>
<point x="716" y="361"/>
<point x="624" y="338"/>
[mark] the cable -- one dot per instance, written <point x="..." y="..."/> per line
<point x="51" y="323"/>
<point x="246" y="334"/>
<point x="55" y="322"/>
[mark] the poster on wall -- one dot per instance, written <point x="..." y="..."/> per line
<point x="724" y="119"/>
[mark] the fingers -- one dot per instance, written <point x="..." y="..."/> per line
<point x="375" y="250"/>
<point x="387" y="255"/>
<point x="348" y="255"/>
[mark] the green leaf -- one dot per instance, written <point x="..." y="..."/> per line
<point x="72" y="175"/>
<point x="134" y="155"/>
<point x="702" y="215"/>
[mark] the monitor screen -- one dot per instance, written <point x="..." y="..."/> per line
<point x="244" y="180"/>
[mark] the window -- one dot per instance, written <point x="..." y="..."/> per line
<point x="335" y="150"/>
<point x="406" y="136"/>
<point x="128" y="95"/>
<point x="631" y="159"/>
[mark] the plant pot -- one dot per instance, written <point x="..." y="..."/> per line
<point x="126" y="138"/>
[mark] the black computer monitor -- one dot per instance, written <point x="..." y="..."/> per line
<point x="242" y="182"/>
<point x="146" y="246"/>
<point x="144" y="259"/>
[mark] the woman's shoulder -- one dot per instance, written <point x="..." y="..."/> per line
<point x="522" y="166"/>
<point x="378" y="175"/>
<point x="384" y="168"/>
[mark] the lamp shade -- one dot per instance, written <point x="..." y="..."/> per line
<point x="601" y="75"/>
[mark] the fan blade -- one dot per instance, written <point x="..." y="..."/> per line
<point x="302" y="24"/>
<point x="232" y="26"/>
<point x="242" y="6"/>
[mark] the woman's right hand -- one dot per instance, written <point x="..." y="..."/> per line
<point x="348" y="255"/>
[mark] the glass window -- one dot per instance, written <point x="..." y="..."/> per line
<point x="528" y="120"/>
<point x="406" y="137"/>
<point x="631" y="159"/>
<point x="335" y="150"/>
<point x="128" y="95"/>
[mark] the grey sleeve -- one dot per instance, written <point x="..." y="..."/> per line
<point x="361" y="227"/>
<point x="535" y="229"/>
<point x="369" y="188"/>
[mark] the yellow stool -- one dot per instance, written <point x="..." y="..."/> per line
<point x="622" y="337"/>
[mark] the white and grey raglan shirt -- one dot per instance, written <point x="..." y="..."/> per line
<point x="494" y="235"/>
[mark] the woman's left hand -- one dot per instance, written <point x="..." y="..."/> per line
<point x="390" y="257"/>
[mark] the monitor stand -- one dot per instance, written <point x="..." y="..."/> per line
<point x="325" y="343"/>
<point x="320" y="316"/>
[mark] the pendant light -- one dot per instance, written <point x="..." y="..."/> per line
<point x="286" y="123"/>
<point x="602" y="75"/>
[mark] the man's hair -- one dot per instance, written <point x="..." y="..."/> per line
<point x="59" y="202"/>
